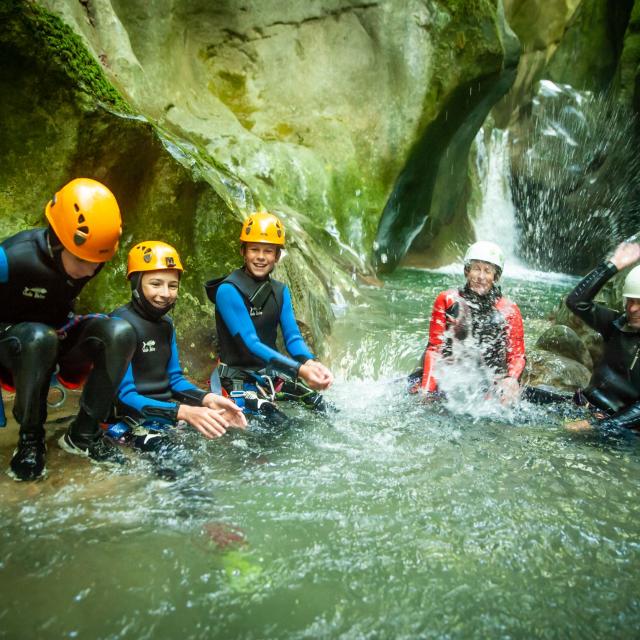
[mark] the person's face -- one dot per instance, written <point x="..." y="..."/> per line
<point x="480" y="276"/>
<point x="632" y="307"/>
<point x="260" y="258"/>
<point x="77" y="268"/>
<point x="160" y="288"/>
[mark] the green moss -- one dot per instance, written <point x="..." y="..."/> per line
<point x="33" y="29"/>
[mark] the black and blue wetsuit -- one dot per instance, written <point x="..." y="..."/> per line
<point x="154" y="384"/>
<point x="151" y="391"/>
<point x="248" y="314"/>
<point x="38" y="298"/>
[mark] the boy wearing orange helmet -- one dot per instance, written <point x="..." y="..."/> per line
<point x="42" y="271"/>
<point x="250" y="306"/>
<point x="154" y="394"/>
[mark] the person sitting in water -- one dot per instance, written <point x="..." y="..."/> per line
<point x="42" y="271"/>
<point x="154" y="394"/>
<point x="478" y="316"/>
<point x="250" y="306"/>
<point x="614" y="388"/>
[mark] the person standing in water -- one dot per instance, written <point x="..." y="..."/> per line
<point x="250" y="306"/>
<point x="614" y="388"/>
<point x="42" y="271"/>
<point x="154" y="394"/>
<point x="481" y="318"/>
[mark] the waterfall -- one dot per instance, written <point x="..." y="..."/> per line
<point x="497" y="218"/>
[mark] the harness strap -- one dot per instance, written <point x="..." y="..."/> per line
<point x="260" y="296"/>
<point x="63" y="331"/>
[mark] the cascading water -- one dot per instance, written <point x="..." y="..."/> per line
<point x="497" y="218"/>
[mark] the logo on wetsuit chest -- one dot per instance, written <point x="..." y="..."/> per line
<point x="148" y="346"/>
<point x="35" y="292"/>
<point x="255" y="312"/>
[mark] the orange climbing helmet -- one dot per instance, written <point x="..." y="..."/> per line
<point x="151" y="256"/>
<point x="85" y="216"/>
<point x="263" y="227"/>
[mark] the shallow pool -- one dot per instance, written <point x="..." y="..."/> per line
<point x="385" y="519"/>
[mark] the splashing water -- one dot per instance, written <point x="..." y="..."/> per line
<point x="576" y="178"/>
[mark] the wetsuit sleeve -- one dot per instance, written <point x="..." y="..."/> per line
<point x="231" y="307"/>
<point x="4" y="266"/>
<point x="437" y="327"/>
<point x="181" y="389"/>
<point x="580" y="300"/>
<point x="294" y="342"/>
<point x="143" y="405"/>
<point x="515" y="342"/>
<point x="627" y="418"/>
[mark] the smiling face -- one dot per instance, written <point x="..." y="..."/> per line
<point x="632" y="308"/>
<point x="77" y="268"/>
<point x="160" y="288"/>
<point x="480" y="276"/>
<point x="260" y="258"/>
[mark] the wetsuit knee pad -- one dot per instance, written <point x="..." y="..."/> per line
<point x="118" y="335"/>
<point x="38" y="341"/>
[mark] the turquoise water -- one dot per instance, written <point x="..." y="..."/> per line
<point x="389" y="520"/>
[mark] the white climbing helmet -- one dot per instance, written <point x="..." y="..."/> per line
<point x="486" y="252"/>
<point x="631" y="287"/>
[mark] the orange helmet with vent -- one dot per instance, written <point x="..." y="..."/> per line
<point x="263" y="227"/>
<point x="85" y="216"/>
<point x="152" y="255"/>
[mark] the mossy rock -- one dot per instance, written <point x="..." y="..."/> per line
<point x="564" y="341"/>
<point x="553" y="370"/>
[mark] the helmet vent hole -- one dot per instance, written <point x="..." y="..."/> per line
<point x="80" y="219"/>
<point x="76" y="207"/>
<point x="84" y="229"/>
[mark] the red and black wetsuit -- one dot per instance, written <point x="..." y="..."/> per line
<point x="493" y="321"/>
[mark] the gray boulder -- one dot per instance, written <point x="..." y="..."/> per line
<point x="564" y="341"/>
<point x="546" y="368"/>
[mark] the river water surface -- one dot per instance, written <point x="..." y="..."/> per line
<point x="387" y="519"/>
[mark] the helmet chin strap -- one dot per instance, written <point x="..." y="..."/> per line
<point x="55" y="248"/>
<point x="142" y="304"/>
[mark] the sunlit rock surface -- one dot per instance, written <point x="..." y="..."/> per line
<point x="195" y="112"/>
<point x="575" y="42"/>
<point x="427" y="211"/>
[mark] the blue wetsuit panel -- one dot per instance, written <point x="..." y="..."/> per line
<point x="4" y="266"/>
<point x="293" y="339"/>
<point x="231" y="307"/>
<point x="128" y="395"/>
